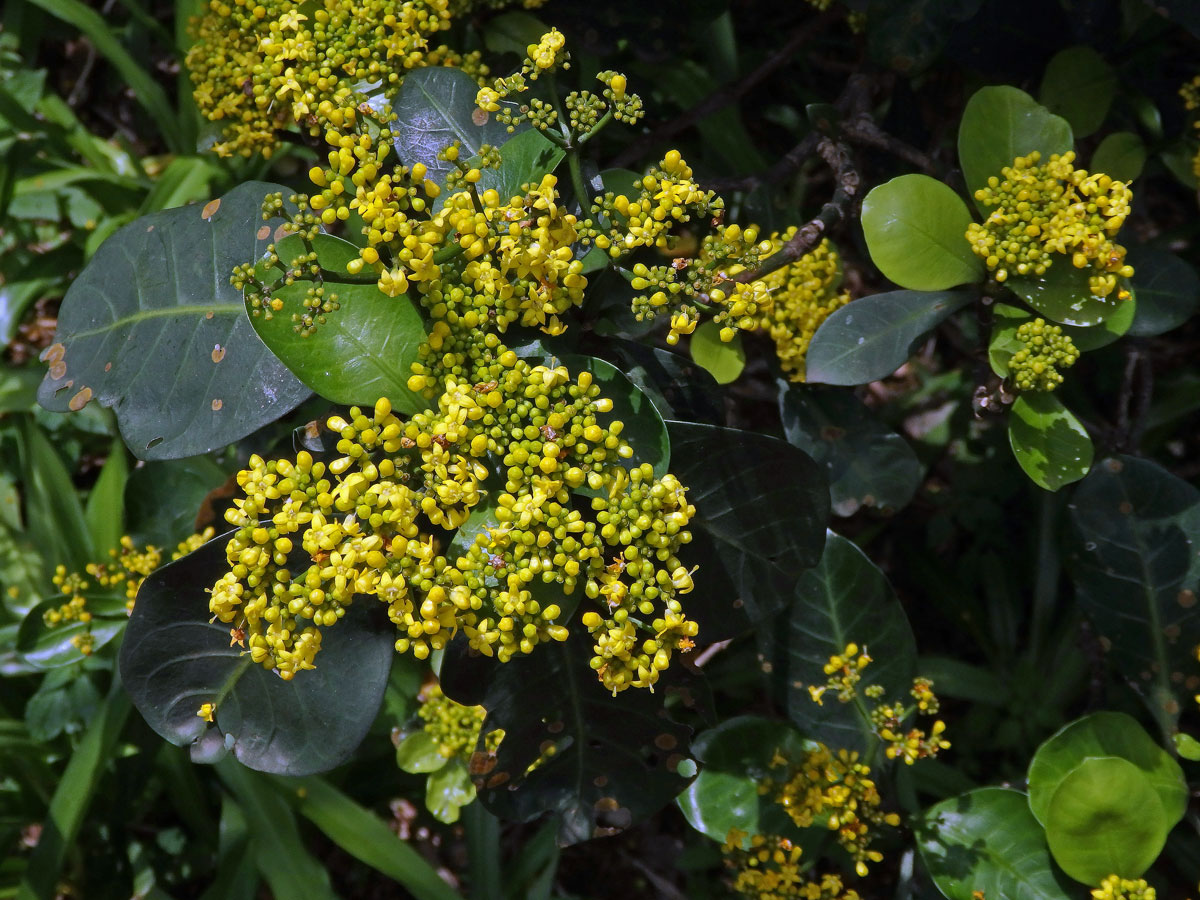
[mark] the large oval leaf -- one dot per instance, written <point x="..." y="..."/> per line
<point x="916" y="231"/>
<point x="987" y="841"/>
<point x="153" y="328"/>
<point x="1105" y="734"/>
<point x="872" y="337"/>
<point x="1121" y="155"/>
<point x="1133" y="558"/>
<point x="174" y="659"/>
<point x="1001" y="123"/>
<point x="1105" y="819"/>
<point x="1063" y="294"/>
<point x="845" y="599"/>
<point x="1167" y="288"/>
<point x="1079" y="86"/>
<point x="1048" y="441"/>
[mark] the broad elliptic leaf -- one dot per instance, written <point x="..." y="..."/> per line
<point x="174" y="659"/>
<point x="1048" y="441"/>
<point x="1062" y="294"/>
<point x="867" y="463"/>
<point x="1079" y="86"/>
<point x="845" y="599"/>
<point x="988" y="841"/>
<point x="1105" y="819"/>
<point x="364" y="350"/>
<point x="916" y="231"/>
<point x="1167" y="289"/>
<point x="1121" y="156"/>
<point x="723" y="360"/>
<point x="872" y="337"/>
<point x="48" y="647"/>
<point x="1132" y="556"/>
<point x="434" y="107"/>
<point x="602" y="762"/>
<point x="1187" y="746"/>
<point x="153" y="328"/>
<point x="1001" y="123"/>
<point x="1105" y="734"/>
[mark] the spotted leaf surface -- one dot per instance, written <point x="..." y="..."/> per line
<point x="153" y="328"/>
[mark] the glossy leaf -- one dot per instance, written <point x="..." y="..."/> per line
<point x="173" y="659"/>
<point x="1050" y="444"/>
<point x="153" y="328"/>
<point x="1079" y="86"/>
<point x="49" y="647"/>
<point x="988" y="840"/>
<point x="867" y="463"/>
<point x="525" y="158"/>
<point x="1116" y="326"/>
<point x="447" y="790"/>
<point x="678" y="388"/>
<point x="1105" y="819"/>
<point x="1063" y="295"/>
<point x="844" y="599"/>
<point x="434" y="107"/>
<point x="916" y="232"/>
<point x="1003" y="342"/>
<point x="1167" y="288"/>
<point x="873" y="336"/>
<point x="419" y="753"/>
<point x="1131" y="555"/>
<point x="1121" y="155"/>
<point x="1187" y="747"/>
<point x="1105" y="734"/>
<point x="723" y="360"/>
<point x="1001" y="123"/>
<point x="364" y="350"/>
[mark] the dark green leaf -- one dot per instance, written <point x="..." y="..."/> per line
<point x="333" y="255"/>
<point x="988" y="840"/>
<point x="1001" y="123"/>
<point x="1116" y="326"/>
<point x="844" y="600"/>
<point x="1048" y="441"/>
<point x="867" y="463"/>
<point x="1167" y="290"/>
<point x="1105" y="819"/>
<point x="1063" y="295"/>
<point x="678" y="387"/>
<point x="105" y="510"/>
<point x="1121" y="155"/>
<point x="162" y="499"/>
<point x="1079" y="86"/>
<point x="1132" y="558"/>
<point x="916" y="231"/>
<point x="723" y="360"/>
<point x="1105" y="734"/>
<point x="153" y="328"/>
<point x="513" y="32"/>
<point x="173" y="659"/>
<point x="873" y="336"/>
<point x="524" y="160"/>
<point x="47" y="648"/>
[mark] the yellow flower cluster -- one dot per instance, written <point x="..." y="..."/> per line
<point x="1114" y="887"/>
<point x="769" y="869"/>
<point x="804" y="293"/>
<point x="1190" y="92"/>
<point x="453" y="726"/>
<point x="1043" y="210"/>
<point x="1045" y="350"/>
<point x="838" y="788"/>
<point x="844" y="671"/>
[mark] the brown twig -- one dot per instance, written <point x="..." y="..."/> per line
<point x="726" y="95"/>
<point x="862" y="130"/>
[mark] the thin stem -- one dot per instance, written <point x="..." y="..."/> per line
<point x="595" y="129"/>
<point x="581" y="192"/>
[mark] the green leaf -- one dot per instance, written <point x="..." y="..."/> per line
<point x="1079" y="86"/>
<point x="1003" y="342"/>
<point x="1121" y="156"/>
<point x="162" y="499"/>
<point x="1105" y="819"/>
<point x="513" y="32"/>
<point x="436" y="106"/>
<point x="1063" y="294"/>
<point x="1167" y="289"/>
<point x="1131" y="555"/>
<point x="173" y="659"/>
<point x="867" y="463"/>
<point x="873" y="336"/>
<point x="1187" y="746"/>
<point x="988" y="840"/>
<point x="105" y="510"/>
<point x="525" y="158"/>
<point x="59" y="707"/>
<point x="47" y="648"/>
<point x="54" y="517"/>
<point x="1116" y="326"/>
<point x="419" y="753"/>
<point x="153" y="328"/>
<point x="1105" y="734"/>
<point x="723" y="360"/>
<point x="1001" y="123"/>
<point x="916" y="231"/>
<point x="1048" y="441"/>
<point x="447" y="790"/>
<point x="845" y="599"/>
<point x="678" y="388"/>
<point x="364" y="350"/>
<point x="613" y="759"/>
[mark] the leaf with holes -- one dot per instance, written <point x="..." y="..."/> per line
<point x="153" y="328"/>
<point x="174" y="659"/>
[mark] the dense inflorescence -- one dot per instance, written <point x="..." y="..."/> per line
<point x="1114" y="887"/>
<point x="453" y="727"/>
<point x="1041" y="211"/>
<point x="770" y="869"/>
<point x="1045" y="351"/>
